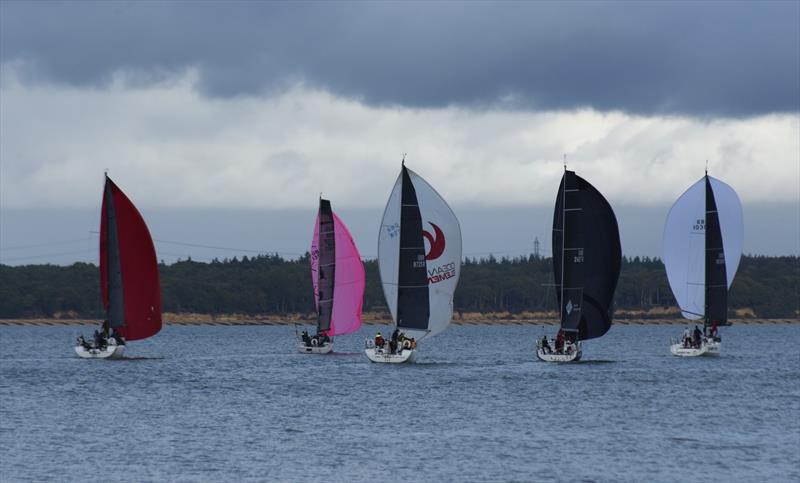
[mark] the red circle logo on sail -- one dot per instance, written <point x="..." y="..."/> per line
<point x="436" y="242"/>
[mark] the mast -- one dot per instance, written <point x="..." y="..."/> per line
<point x="563" y="227"/>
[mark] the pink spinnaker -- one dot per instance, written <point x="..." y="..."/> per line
<point x="348" y="292"/>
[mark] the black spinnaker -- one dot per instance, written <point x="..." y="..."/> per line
<point x="586" y="259"/>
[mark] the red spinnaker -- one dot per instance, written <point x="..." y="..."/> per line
<point x="140" y="281"/>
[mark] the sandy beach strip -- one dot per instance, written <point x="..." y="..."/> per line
<point x="175" y="319"/>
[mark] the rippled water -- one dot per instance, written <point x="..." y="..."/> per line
<point x="237" y="403"/>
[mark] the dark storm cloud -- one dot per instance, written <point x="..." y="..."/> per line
<point x="704" y="59"/>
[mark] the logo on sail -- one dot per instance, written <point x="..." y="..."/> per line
<point x="436" y="242"/>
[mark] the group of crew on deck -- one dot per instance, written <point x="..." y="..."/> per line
<point x="561" y="345"/>
<point x="318" y="340"/>
<point x="693" y="339"/>
<point x="396" y="344"/>
<point x="102" y="339"/>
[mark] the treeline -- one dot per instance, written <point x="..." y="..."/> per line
<point x="269" y="284"/>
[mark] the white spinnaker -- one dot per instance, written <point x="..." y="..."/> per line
<point x="444" y="270"/>
<point x="389" y="247"/>
<point x="684" y="242"/>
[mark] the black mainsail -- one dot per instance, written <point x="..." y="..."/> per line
<point x="326" y="244"/>
<point x="716" y="275"/>
<point x="413" y="299"/>
<point x="586" y="258"/>
<point x="116" y="303"/>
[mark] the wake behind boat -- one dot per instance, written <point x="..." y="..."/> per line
<point x="337" y="274"/>
<point x="702" y="247"/>
<point x="129" y="280"/>
<point x="419" y="259"/>
<point x="586" y="265"/>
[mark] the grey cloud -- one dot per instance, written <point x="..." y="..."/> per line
<point x="702" y="59"/>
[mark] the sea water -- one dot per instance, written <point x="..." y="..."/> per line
<point x="240" y="404"/>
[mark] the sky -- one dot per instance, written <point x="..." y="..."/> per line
<point x="224" y="122"/>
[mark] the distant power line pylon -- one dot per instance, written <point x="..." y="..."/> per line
<point x="536" y="247"/>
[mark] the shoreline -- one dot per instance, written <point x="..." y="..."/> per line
<point x="288" y="322"/>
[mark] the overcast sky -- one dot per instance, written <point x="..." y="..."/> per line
<point x="199" y="108"/>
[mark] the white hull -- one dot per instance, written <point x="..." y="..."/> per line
<point x="321" y="349"/>
<point x="572" y="356"/>
<point x="707" y="348"/>
<point x="110" y="352"/>
<point x="379" y="355"/>
<point x="570" y="353"/>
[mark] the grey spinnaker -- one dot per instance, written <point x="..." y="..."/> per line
<point x="586" y="258"/>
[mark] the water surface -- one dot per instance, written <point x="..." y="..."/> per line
<point x="237" y="403"/>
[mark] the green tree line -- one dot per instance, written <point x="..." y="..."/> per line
<point x="269" y="284"/>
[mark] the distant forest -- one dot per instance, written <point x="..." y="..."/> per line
<point x="269" y="284"/>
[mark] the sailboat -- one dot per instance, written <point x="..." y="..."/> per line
<point x="129" y="281"/>
<point x="586" y="265"/>
<point x="702" y="248"/>
<point x="419" y="258"/>
<point x="338" y="278"/>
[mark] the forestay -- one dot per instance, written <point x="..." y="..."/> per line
<point x="686" y="245"/>
<point x="419" y="256"/>
<point x="336" y="261"/>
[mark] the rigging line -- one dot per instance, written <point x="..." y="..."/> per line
<point x="216" y="247"/>
<point x="38" y="245"/>
<point x="31" y="257"/>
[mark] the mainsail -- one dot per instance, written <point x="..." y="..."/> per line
<point x="702" y="248"/>
<point x="586" y="258"/>
<point x="337" y="274"/>
<point x="419" y="256"/>
<point x="129" y="280"/>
